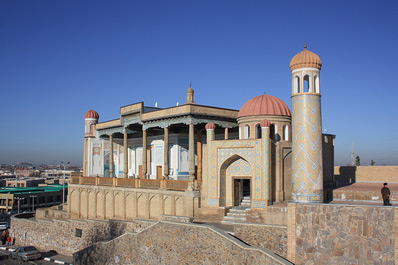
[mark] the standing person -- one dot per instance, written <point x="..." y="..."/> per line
<point x="385" y="193"/>
<point x="4" y="237"/>
<point x="8" y="240"/>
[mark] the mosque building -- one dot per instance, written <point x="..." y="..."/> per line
<point x="195" y="160"/>
<point x="169" y="185"/>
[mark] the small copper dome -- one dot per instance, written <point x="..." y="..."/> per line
<point x="265" y="123"/>
<point x="305" y="59"/>
<point x="210" y="126"/>
<point x="91" y="114"/>
<point x="264" y="105"/>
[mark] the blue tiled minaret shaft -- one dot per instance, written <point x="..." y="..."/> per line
<point x="307" y="175"/>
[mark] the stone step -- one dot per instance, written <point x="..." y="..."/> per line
<point x="246" y="197"/>
<point x="236" y="214"/>
<point x="238" y="210"/>
<point x="234" y="218"/>
<point x="245" y="204"/>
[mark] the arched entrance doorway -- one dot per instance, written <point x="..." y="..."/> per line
<point x="235" y="180"/>
<point x="242" y="189"/>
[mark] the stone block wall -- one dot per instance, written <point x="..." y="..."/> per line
<point x="67" y="237"/>
<point x="342" y="234"/>
<point x="174" y="243"/>
<point x="272" y="237"/>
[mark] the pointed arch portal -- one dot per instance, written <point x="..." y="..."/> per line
<point x="235" y="180"/>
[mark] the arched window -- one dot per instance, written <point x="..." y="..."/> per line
<point x="258" y="131"/>
<point x="306" y="83"/>
<point x="286" y="132"/>
<point x="297" y="84"/>
<point x="272" y="131"/>
<point x="316" y="84"/>
<point x="246" y="132"/>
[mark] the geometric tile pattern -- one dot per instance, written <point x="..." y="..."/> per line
<point x="228" y="158"/>
<point x="307" y="175"/>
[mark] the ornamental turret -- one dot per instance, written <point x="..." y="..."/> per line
<point x="90" y="120"/>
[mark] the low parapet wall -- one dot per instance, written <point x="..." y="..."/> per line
<point x="67" y="237"/>
<point x="376" y="174"/>
<point x="176" y="243"/>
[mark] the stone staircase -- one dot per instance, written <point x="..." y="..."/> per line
<point x="237" y="214"/>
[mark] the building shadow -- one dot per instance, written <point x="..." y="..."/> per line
<point x="346" y="177"/>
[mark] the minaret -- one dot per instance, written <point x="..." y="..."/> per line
<point x="307" y="175"/>
<point x="90" y="119"/>
<point x="190" y="93"/>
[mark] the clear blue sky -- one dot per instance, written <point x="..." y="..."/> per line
<point x="59" y="59"/>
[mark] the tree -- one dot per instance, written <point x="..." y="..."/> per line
<point x="357" y="161"/>
<point x="372" y="163"/>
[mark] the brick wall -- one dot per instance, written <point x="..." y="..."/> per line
<point x="174" y="243"/>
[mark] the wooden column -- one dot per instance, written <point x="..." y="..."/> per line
<point x="226" y="134"/>
<point x="191" y="153"/>
<point x="144" y="154"/>
<point x="199" y="154"/>
<point x="111" y="156"/>
<point x="166" y="152"/>
<point x="126" y="156"/>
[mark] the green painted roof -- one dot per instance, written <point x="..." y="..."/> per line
<point x="20" y="190"/>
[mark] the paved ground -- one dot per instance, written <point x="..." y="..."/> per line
<point x="48" y="257"/>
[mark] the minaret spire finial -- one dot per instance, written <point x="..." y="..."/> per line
<point x="305" y="44"/>
<point x="190" y="84"/>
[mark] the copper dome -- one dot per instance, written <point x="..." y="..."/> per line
<point x="264" y="105"/>
<point x="91" y="114"/>
<point x="305" y="58"/>
<point x="265" y="123"/>
<point x="210" y="126"/>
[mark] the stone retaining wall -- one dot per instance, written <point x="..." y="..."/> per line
<point x="173" y="243"/>
<point x="272" y="237"/>
<point x="342" y="234"/>
<point x="67" y="237"/>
